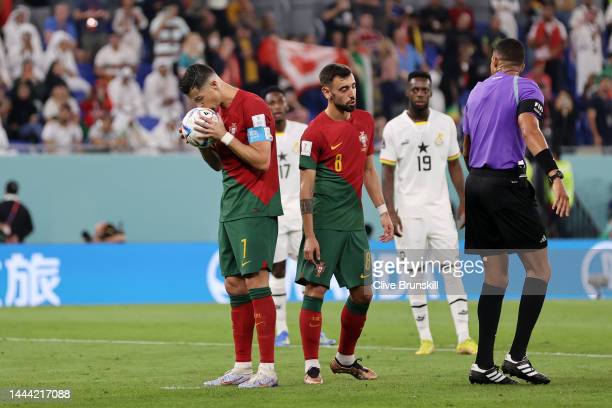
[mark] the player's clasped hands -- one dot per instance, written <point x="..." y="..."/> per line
<point x="561" y="205"/>
<point x="388" y="228"/>
<point x="207" y="127"/>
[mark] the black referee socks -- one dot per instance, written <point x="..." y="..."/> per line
<point x="532" y="299"/>
<point x="489" y="310"/>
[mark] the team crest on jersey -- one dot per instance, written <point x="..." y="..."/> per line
<point x="320" y="268"/>
<point x="439" y="139"/>
<point x="363" y="139"/>
<point x="296" y="147"/>
<point x="233" y="129"/>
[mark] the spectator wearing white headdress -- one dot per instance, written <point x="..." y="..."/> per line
<point x="19" y="17"/>
<point x="128" y="21"/>
<point x="127" y="100"/>
<point x="114" y="56"/>
<point x="61" y="48"/>
<point x="25" y="45"/>
<point x="161" y="90"/>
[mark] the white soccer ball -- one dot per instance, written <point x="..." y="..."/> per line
<point x="188" y="122"/>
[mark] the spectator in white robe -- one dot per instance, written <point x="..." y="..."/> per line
<point x="129" y="20"/>
<point x="161" y="90"/>
<point x="112" y="57"/>
<point x="26" y="46"/>
<point x="507" y="10"/>
<point x="127" y="100"/>
<point x="62" y="134"/>
<point x="61" y="47"/>
<point x="19" y="18"/>
<point x="59" y="96"/>
<point x="164" y="137"/>
<point x="588" y="25"/>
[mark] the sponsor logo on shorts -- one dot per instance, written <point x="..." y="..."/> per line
<point x="334" y="147"/>
<point x="363" y="276"/>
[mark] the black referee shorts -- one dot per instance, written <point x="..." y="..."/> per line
<point x="501" y="213"/>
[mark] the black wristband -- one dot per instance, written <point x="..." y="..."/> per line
<point x="545" y="161"/>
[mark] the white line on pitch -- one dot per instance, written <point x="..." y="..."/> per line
<point x="206" y="344"/>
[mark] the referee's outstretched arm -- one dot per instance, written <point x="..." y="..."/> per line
<point x="536" y="143"/>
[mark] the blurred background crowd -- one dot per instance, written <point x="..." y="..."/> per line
<point x="95" y="75"/>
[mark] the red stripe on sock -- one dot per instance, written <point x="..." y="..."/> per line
<point x="243" y="322"/>
<point x="310" y="329"/>
<point x="352" y="324"/>
<point x="265" y="322"/>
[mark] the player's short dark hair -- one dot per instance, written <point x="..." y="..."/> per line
<point x="195" y="77"/>
<point x="419" y="74"/>
<point x="331" y="71"/>
<point x="11" y="187"/>
<point x="510" y="50"/>
<point x="272" y="89"/>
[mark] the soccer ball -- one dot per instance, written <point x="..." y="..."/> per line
<point x="188" y="122"/>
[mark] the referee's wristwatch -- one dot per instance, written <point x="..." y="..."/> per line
<point x="558" y="174"/>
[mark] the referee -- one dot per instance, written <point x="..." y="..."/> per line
<point x="501" y="119"/>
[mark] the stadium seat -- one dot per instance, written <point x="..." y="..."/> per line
<point x="148" y="122"/>
<point x="142" y="71"/>
<point x="87" y="72"/>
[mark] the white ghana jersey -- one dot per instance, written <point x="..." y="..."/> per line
<point x="288" y="151"/>
<point x="420" y="152"/>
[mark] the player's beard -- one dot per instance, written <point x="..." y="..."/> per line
<point x="342" y="107"/>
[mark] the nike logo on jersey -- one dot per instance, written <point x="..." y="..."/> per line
<point x="334" y="147"/>
<point x="362" y="276"/>
<point x="405" y="142"/>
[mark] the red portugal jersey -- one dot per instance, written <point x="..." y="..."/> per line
<point x="338" y="151"/>
<point x="248" y="192"/>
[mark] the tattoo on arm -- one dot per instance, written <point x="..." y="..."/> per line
<point x="306" y="206"/>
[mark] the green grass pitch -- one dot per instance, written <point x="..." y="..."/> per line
<point x="157" y="355"/>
